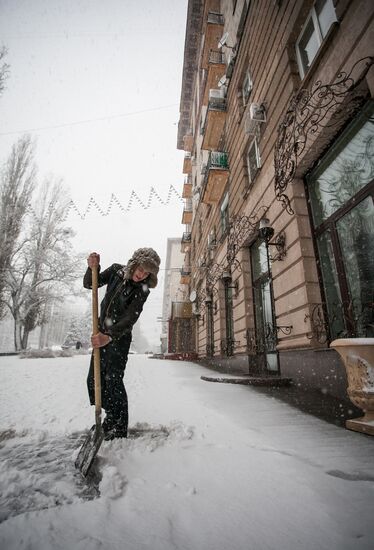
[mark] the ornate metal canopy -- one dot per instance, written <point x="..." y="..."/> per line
<point x="241" y="229"/>
<point x="325" y="106"/>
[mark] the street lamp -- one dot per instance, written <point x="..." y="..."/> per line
<point x="227" y="279"/>
<point x="266" y="233"/>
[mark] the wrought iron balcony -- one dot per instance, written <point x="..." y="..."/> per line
<point x="212" y="33"/>
<point x="216" y="57"/>
<point x="186" y="241"/>
<point x="187" y="212"/>
<point x="215" y="18"/>
<point x="216" y="176"/>
<point x="214" y="120"/>
<point x="215" y="71"/>
<point x="187" y="163"/>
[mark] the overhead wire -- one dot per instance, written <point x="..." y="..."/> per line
<point x="90" y="120"/>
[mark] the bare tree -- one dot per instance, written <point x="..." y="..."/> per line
<point x="17" y="184"/>
<point x="45" y="266"/>
<point x="4" y="68"/>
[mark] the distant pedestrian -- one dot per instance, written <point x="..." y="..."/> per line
<point x="127" y="290"/>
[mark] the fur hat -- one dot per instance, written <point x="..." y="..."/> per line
<point x="149" y="260"/>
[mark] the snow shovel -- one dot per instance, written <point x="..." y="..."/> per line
<point x="91" y="446"/>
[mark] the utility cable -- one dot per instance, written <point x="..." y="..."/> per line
<point x="87" y="121"/>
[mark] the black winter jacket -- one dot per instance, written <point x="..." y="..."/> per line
<point x="123" y="301"/>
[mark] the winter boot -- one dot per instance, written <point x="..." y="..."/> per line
<point x="114" y="429"/>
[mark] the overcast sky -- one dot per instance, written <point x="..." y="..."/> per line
<point x="98" y="85"/>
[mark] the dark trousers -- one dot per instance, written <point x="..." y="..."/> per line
<point x="113" y="359"/>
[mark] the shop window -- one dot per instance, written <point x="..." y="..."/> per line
<point x="341" y="191"/>
<point x="316" y="27"/>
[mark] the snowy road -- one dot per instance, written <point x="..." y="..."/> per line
<point x="221" y="466"/>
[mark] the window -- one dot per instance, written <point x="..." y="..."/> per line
<point x="341" y="191"/>
<point x="265" y="323"/>
<point x="225" y="215"/>
<point x="314" y="31"/>
<point x="227" y="345"/>
<point x="247" y="87"/>
<point x="253" y="161"/>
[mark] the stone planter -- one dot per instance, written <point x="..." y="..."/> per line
<point x="358" y="357"/>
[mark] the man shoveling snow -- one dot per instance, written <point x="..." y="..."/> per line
<point x="127" y="290"/>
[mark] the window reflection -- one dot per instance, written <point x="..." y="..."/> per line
<point x="341" y="191"/>
<point x="343" y="174"/>
<point x="356" y="236"/>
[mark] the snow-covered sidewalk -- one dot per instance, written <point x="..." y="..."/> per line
<point x="218" y="467"/>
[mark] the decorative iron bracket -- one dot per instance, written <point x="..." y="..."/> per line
<point x="324" y="106"/>
<point x="280" y="245"/>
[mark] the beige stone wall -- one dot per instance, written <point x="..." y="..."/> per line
<point x="267" y="48"/>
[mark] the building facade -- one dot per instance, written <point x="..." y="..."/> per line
<point x="276" y="121"/>
<point x="178" y="323"/>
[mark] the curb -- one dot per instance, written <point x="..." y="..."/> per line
<point x="270" y="381"/>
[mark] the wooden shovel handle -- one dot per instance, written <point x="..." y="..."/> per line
<point x="95" y="330"/>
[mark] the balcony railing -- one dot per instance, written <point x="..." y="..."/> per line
<point x="216" y="57"/>
<point x="215" y="18"/>
<point x="187" y="212"/>
<point x="212" y="33"/>
<point x="215" y="178"/>
<point x="216" y="100"/>
<point x="186" y="237"/>
<point x="214" y="120"/>
<point x="187" y="205"/>
<point x="218" y="159"/>
<point x="185" y="241"/>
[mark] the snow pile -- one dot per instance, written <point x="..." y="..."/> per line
<point x="206" y="466"/>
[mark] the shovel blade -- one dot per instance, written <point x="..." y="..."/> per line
<point x="89" y="449"/>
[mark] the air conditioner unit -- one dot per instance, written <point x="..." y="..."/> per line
<point x="255" y="116"/>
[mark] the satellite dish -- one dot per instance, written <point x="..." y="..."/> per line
<point x="193" y="295"/>
<point x="223" y="40"/>
<point x="222" y="81"/>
